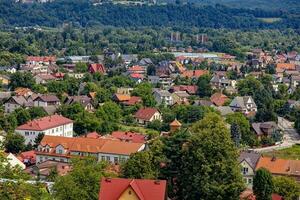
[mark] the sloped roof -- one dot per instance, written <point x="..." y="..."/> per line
<point x="112" y="189"/>
<point x="194" y="73"/>
<point x="250" y="157"/>
<point x="145" y="113"/>
<point x="97" y="67"/>
<point x="286" y="66"/>
<point x="175" y="123"/>
<point x="133" y="100"/>
<point x="218" y="99"/>
<point x="45" y="123"/>
<point x="121" y="97"/>
<point x="92" y="145"/>
<point x="47" y="98"/>
<point x="129" y="136"/>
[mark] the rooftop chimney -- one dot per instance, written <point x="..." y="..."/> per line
<point x="108" y="180"/>
<point x="157" y="182"/>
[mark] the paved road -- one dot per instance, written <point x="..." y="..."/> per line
<point x="290" y="136"/>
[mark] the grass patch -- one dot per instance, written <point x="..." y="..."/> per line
<point x="270" y="20"/>
<point x="292" y="153"/>
<point x="138" y="129"/>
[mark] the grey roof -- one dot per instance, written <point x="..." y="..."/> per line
<point x="83" y="99"/>
<point x="203" y="103"/>
<point x="5" y="95"/>
<point x="257" y="127"/>
<point x="224" y="110"/>
<point x="50" y="110"/>
<point x="240" y="102"/>
<point x="48" y="98"/>
<point x="164" y="93"/>
<point x="181" y="93"/>
<point x="251" y="158"/>
<point x="145" y="61"/>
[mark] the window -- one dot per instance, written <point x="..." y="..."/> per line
<point x="107" y="158"/>
<point x="245" y="170"/>
<point x="26" y="133"/>
<point x="56" y="129"/>
<point x="250" y="181"/>
<point x="116" y="159"/>
<point x="60" y="151"/>
<point x="102" y="157"/>
<point x="52" y="130"/>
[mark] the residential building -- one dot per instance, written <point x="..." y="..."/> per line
<point x="244" y="104"/>
<point x="27" y="157"/>
<point x="180" y="97"/>
<point x="194" y="73"/>
<point x="265" y="129"/>
<point x="25" y="92"/>
<point x="136" y="69"/>
<point x="13" y="161"/>
<point x="219" y="99"/>
<point x="132" y="189"/>
<point x="77" y="59"/>
<point x="15" y="102"/>
<point x="175" y="125"/>
<point x="163" y="97"/>
<point x="97" y="67"/>
<point x="62" y="149"/>
<point x="280" y="167"/>
<point x="146" y="115"/>
<point x="190" y="89"/>
<point x="43" y="169"/>
<point x="123" y="90"/>
<point x="248" y="162"/>
<point x="54" y="125"/>
<point x="43" y="78"/>
<point x="84" y="100"/>
<point x="46" y="100"/>
<point x="4" y="80"/>
<point x="165" y="81"/>
<point x="41" y="60"/>
<point x="128" y="136"/>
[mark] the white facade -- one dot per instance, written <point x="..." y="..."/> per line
<point x="156" y="116"/>
<point x="62" y="130"/>
<point x="14" y="161"/>
<point x="10" y="107"/>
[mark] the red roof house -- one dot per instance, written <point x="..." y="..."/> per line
<point x="97" y="67"/>
<point x="133" y="100"/>
<point x="136" y="69"/>
<point x="194" y="73"/>
<point x="27" y="157"/>
<point x="190" y="89"/>
<point x="219" y="99"/>
<point x="118" y="188"/>
<point x="145" y="115"/>
<point x="45" y="123"/>
<point x="129" y="136"/>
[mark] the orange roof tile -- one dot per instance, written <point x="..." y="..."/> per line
<point x="194" y="73"/>
<point x="122" y="97"/>
<point x="218" y="99"/>
<point x="286" y="66"/>
<point x="92" y="145"/>
<point x="175" y="123"/>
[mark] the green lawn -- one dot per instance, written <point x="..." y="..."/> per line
<point x="292" y="153"/>
<point x="138" y="129"/>
<point x="270" y="20"/>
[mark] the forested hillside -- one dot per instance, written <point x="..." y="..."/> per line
<point x="84" y="13"/>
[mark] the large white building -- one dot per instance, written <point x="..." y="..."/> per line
<point x="63" y="149"/>
<point x="55" y="125"/>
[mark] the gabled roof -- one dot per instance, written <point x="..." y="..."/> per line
<point x="20" y="100"/>
<point x="145" y="113"/>
<point x="240" y="102"/>
<point x="45" y="77"/>
<point x="258" y="127"/>
<point x="129" y="136"/>
<point x="112" y="189"/>
<point x="22" y="91"/>
<point x="97" y="67"/>
<point x="133" y="100"/>
<point x="41" y="58"/>
<point x="175" y="123"/>
<point x="250" y="157"/>
<point x="121" y="97"/>
<point x="285" y="66"/>
<point x="45" y="123"/>
<point x="191" y="89"/>
<point x="136" y="69"/>
<point x="47" y="98"/>
<point x="219" y="99"/>
<point x="91" y="145"/>
<point x="194" y="73"/>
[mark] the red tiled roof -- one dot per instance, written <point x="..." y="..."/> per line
<point x="191" y="89"/>
<point x="136" y="69"/>
<point x="218" y="99"/>
<point x="58" y="75"/>
<point x="286" y="66"/>
<point x="45" y="123"/>
<point x="129" y="136"/>
<point x="138" y="76"/>
<point x="22" y="91"/>
<point x="97" y="67"/>
<point x="41" y="59"/>
<point x="145" y="113"/>
<point x="194" y="73"/>
<point x="112" y="189"/>
<point x="248" y="195"/>
<point x="175" y="123"/>
<point x="27" y="155"/>
<point x="133" y="100"/>
<point x="121" y="97"/>
<point x="91" y="145"/>
<point x="94" y="135"/>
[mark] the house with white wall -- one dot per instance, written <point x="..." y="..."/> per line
<point x="54" y="125"/>
<point x="64" y="148"/>
<point x="145" y="115"/>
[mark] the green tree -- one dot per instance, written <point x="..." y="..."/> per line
<point x="37" y="112"/>
<point x="235" y="134"/>
<point x="22" y="115"/>
<point x="82" y="182"/>
<point x="248" y="86"/>
<point x="81" y="67"/>
<point x="287" y="187"/>
<point x="19" y="79"/>
<point x="14" y="143"/>
<point x="144" y="90"/>
<point x="38" y="139"/>
<point x="263" y="184"/>
<point x="205" y="166"/>
<point x="204" y="86"/>
<point x="140" y="165"/>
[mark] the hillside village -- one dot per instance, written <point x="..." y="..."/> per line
<point x="137" y="115"/>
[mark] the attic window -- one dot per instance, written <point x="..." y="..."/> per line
<point x="129" y="192"/>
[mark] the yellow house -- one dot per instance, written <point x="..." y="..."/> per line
<point x="248" y="162"/>
<point x="4" y="80"/>
<point x="132" y="189"/>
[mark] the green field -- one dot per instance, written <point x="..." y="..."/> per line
<point x="138" y="129"/>
<point x="269" y="20"/>
<point x="292" y="153"/>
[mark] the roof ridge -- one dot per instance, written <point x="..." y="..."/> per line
<point x="134" y="185"/>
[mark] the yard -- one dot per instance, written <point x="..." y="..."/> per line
<point x="292" y="153"/>
<point x="269" y="20"/>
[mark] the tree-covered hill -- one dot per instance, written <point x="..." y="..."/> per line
<point x="84" y="13"/>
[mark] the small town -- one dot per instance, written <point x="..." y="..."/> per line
<point x="149" y="100"/>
